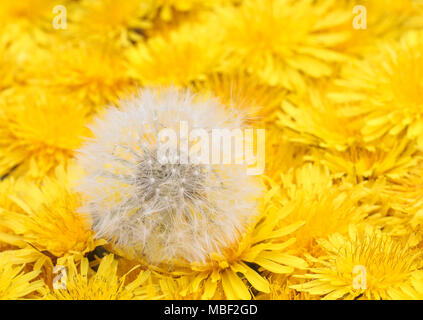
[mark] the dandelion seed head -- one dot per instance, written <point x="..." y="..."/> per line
<point x="156" y="207"/>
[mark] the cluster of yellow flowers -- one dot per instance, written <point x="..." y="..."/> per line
<point x="338" y="90"/>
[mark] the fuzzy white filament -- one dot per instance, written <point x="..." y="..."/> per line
<point x="162" y="212"/>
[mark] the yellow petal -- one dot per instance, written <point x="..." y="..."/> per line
<point x="273" y="266"/>
<point x="256" y="280"/>
<point x="234" y="287"/>
<point x="209" y="289"/>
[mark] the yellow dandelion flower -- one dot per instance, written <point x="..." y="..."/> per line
<point x="94" y="72"/>
<point x="15" y="283"/>
<point x="392" y="157"/>
<point x="310" y="195"/>
<point x="46" y="217"/>
<point x="283" y="42"/>
<point x="406" y="194"/>
<point x="26" y="15"/>
<point x="384" y="20"/>
<point x="15" y="59"/>
<point x="402" y="196"/>
<point x="314" y="120"/>
<point x="337" y="140"/>
<point x="282" y="155"/>
<point x="403" y="201"/>
<point x="122" y="21"/>
<point x="23" y="254"/>
<point x="27" y="24"/>
<point x="83" y="283"/>
<point x="365" y="265"/>
<point x="38" y="132"/>
<point x="178" y="57"/>
<point x="387" y="88"/>
<point x="243" y="92"/>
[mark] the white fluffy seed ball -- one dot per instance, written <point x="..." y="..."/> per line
<point x="163" y="213"/>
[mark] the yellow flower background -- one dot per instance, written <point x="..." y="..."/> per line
<point x="342" y="212"/>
